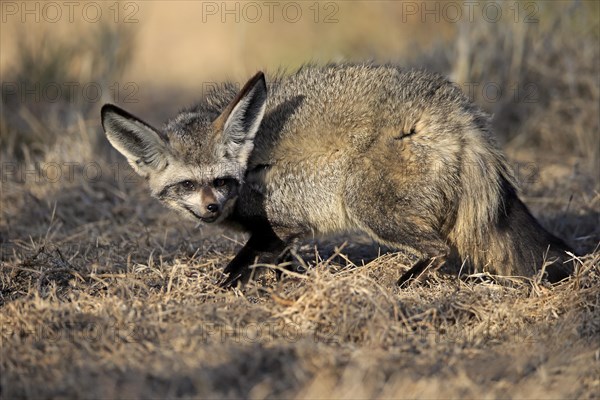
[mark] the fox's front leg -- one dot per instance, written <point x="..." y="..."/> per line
<point x="261" y="243"/>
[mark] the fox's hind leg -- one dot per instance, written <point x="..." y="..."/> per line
<point x="419" y="269"/>
<point x="398" y="228"/>
<point x="415" y="238"/>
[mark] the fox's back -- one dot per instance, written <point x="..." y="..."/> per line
<point x="322" y="124"/>
<point x="347" y="106"/>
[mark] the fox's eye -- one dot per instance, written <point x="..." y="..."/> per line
<point x="188" y="185"/>
<point x="219" y="182"/>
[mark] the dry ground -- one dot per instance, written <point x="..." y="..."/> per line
<point x="105" y="294"/>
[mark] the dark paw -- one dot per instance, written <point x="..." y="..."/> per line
<point x="230" y="281"/>
<point x="236" y="278"/>
<point x="413" y="273"/>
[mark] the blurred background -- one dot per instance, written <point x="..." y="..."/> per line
<point x="533" y="65"/>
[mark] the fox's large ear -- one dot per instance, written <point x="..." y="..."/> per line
<point x="241" y="119"/>
<point x="141" y="144"/>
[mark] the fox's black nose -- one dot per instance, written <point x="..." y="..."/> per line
<point x="212" y="208"/>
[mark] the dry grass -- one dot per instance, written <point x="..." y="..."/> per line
<point x="105" y="294"/>
<point x="124" y="304"/>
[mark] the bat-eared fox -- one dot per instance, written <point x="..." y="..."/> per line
<point x="401" y="155"/>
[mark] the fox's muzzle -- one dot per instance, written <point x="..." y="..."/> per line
<point x="209" y="205"/>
